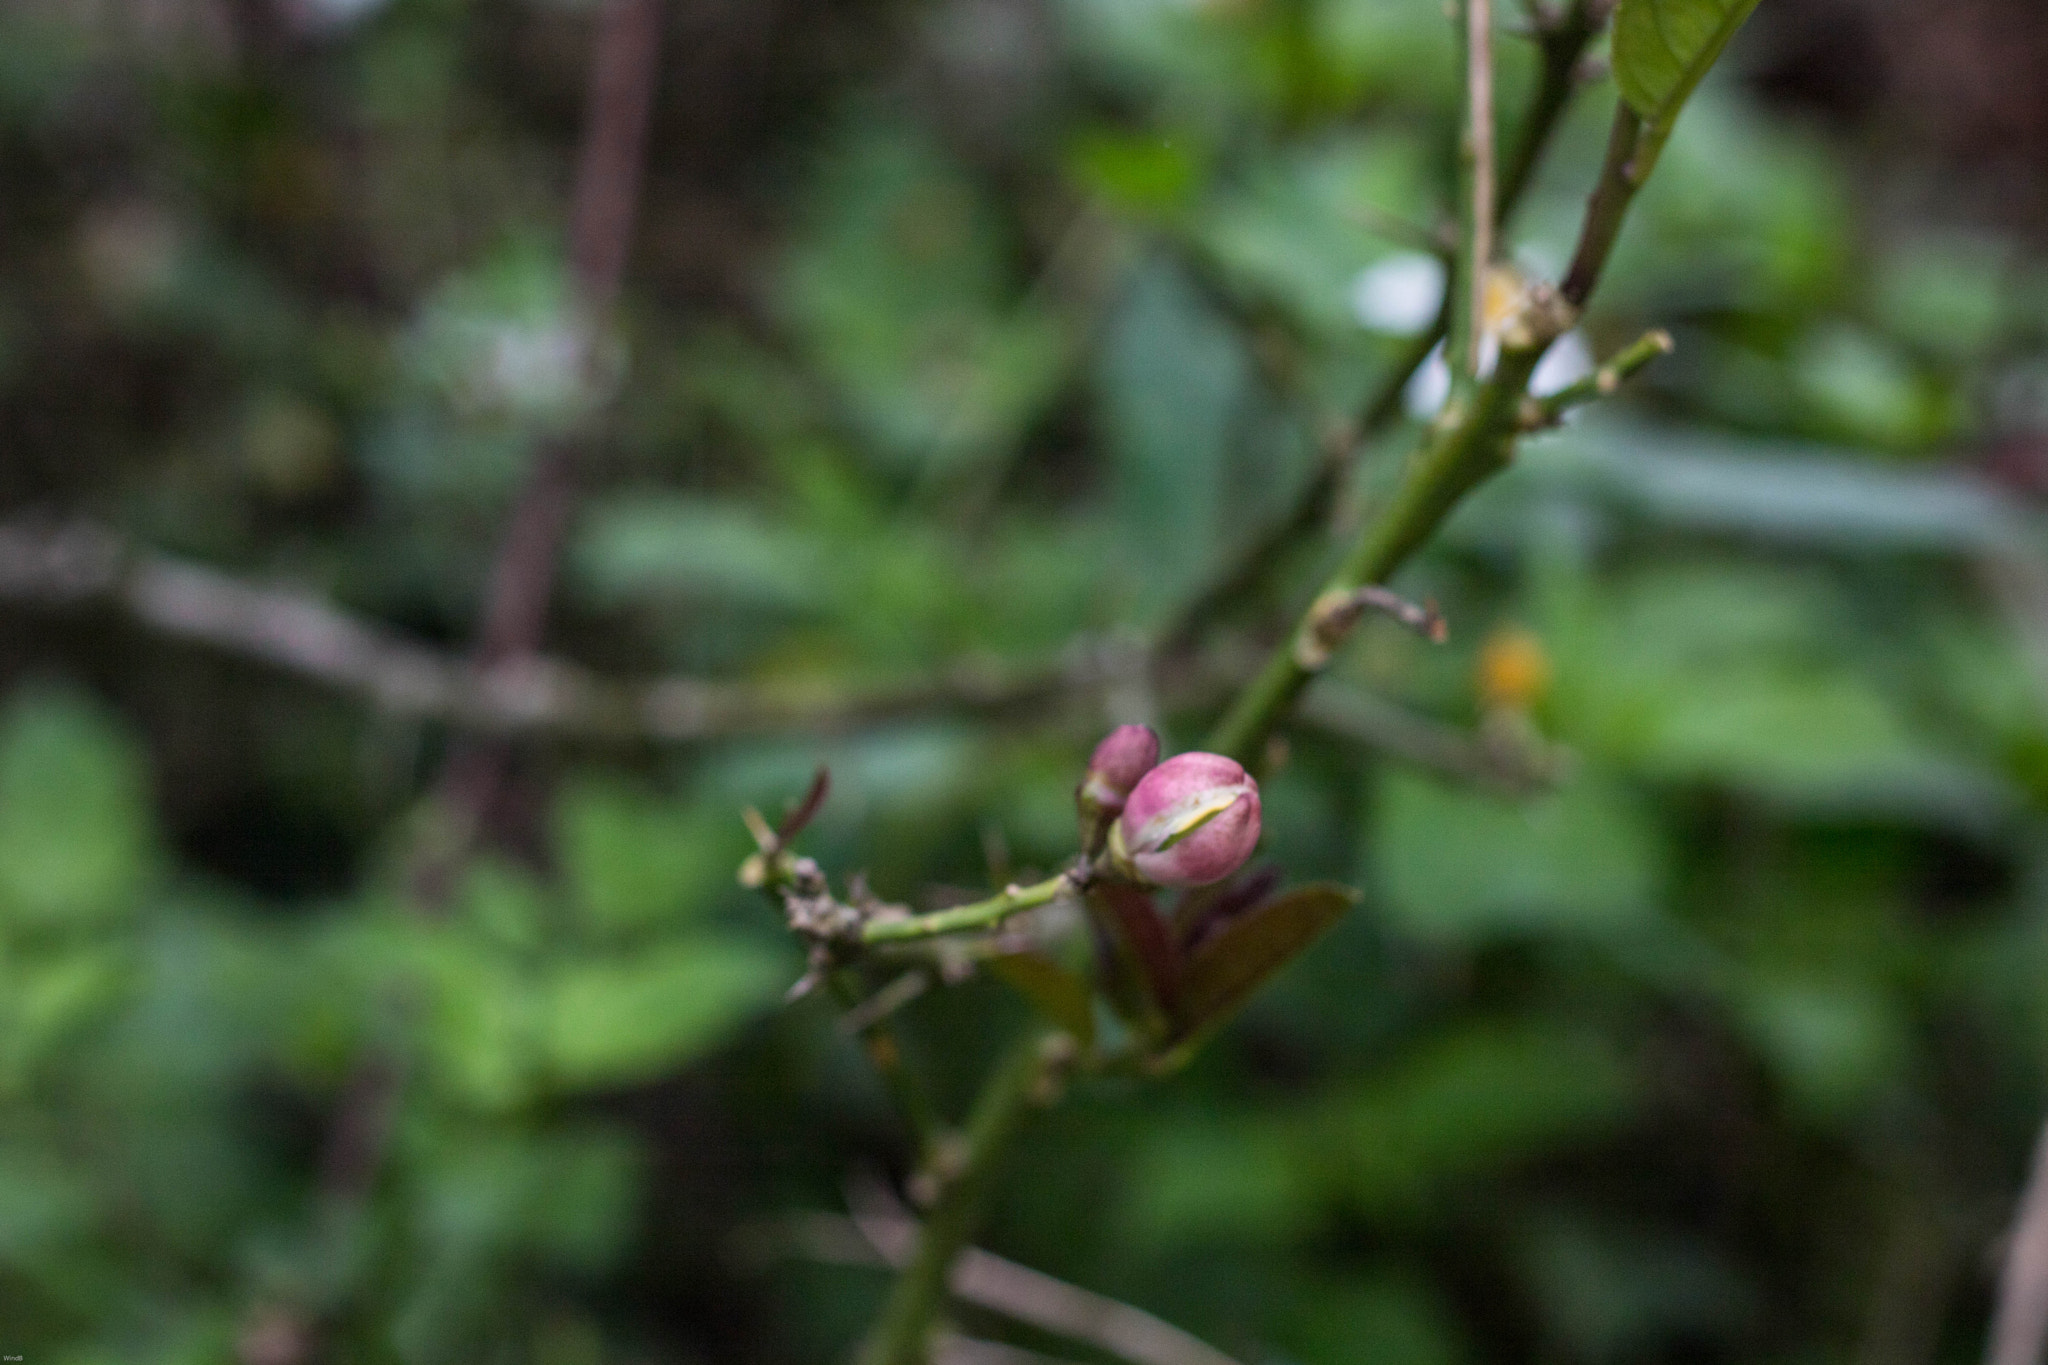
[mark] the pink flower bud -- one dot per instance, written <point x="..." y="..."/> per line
<point x="1190" y="821"/>
<point x="1126" y="755"/>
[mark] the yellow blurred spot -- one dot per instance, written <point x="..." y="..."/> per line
<point x="1513" y="669"/>
<point x="1501" y="297"/>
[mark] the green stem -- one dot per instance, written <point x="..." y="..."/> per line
<point x="1468" y="444"/>
<point x="1564" y="47"/>
<point x="1464" y="448"/>
<point x="902" y="1334"/>
<point x="984" y="914"/>
<point x="1619" y="369"/>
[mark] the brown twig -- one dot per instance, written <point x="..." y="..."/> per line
<point x="1476" y="186"/>
<point x="887" y="1235"/>
<point x="2018" y="583"/>
<point x="81" y="564"/>
<point x="624" y="61"/>
<point x="2020" y="1322"/>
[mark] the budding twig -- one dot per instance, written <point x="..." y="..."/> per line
<point x="1538" y="413"/>
<point x="982" y="914"/>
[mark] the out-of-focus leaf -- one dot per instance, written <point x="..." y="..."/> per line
<point x="45" y="997"/>
<point x="1947" y="293"/>
<point x="1468" y="1103"/>
<point x="1387" y="1320"/>
<point x="1235" y="961"/>
<point x="1297" y="231"/>
<point x="1200" y="1180"/>
<point x="43" y="1206"/>
<point x="901" y="290"/>
<point x="1144" y="975"/>
<point x="484" y="1016"/>
<point x="1779" y="490"/>
<point x="1145" y="173"/>
<point x="644" y="548"/>
<point x="1385" y="47"/>
<point x="1584" y="858"/>
<point x="1663" y="47"/>
<point x="1173" y="381"/>
<point x="506" y="904"/>
<point x="1058" y="994"/>
<point x="1614" y="1293"/>
<point x="1867" y="392"/>
<point x="1831" y="1043"/>
<point x="75" y="840"/>
<point x="583" y="1211"/>
<point x="630" y="862"/>
<point x="612" y="1023"/>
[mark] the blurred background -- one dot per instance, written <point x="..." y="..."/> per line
<point x="1693" y="1008"/>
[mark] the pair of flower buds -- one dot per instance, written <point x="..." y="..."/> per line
<point x="1189" y="821"/>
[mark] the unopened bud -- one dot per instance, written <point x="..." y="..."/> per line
<point x="1124" y="756"/>
<point x="1190" y="821"/>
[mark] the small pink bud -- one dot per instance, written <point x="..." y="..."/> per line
<point x="1190" y="821"/>
<point x="1124" y="756"/>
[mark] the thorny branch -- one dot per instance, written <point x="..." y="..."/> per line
<point x="81" y="563"/>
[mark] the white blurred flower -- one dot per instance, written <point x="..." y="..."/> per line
<point x="1564" y="364"/>
<point x="1400" y="295"/>
<point x="1430" y="385"/>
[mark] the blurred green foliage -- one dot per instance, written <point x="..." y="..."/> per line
<point x="957" y="332"/>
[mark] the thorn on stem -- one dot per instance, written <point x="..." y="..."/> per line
<point x="1337" y="611"/>
<point x="803" y="812"/>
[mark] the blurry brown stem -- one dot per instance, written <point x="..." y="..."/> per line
<point x="902" y="1334"/>
<point x="80" y="564"/>
<point x="623" y="66"/>
<point x="1620" y="177"/>
<point x="2020" y="1322"/>
<point x="624" y="61"/>
<point x="888" y="1234"/>
<point x="1475" y="198"/>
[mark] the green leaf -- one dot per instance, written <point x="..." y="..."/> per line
<point x="619" y="1022"/>
<point x="633" y="863"/>
<point x="1245" y="953"/>
<point x="1468" y="1103"/>
<point x="74" y="818"/>
<point x="1174" y="380"/>
<point x="1144" y="981"/>
<point x="1663" y="47"/>
<point x="1056" y="992"/>
<point x="644" y="548"/>
<point x="1466" y="865"/>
